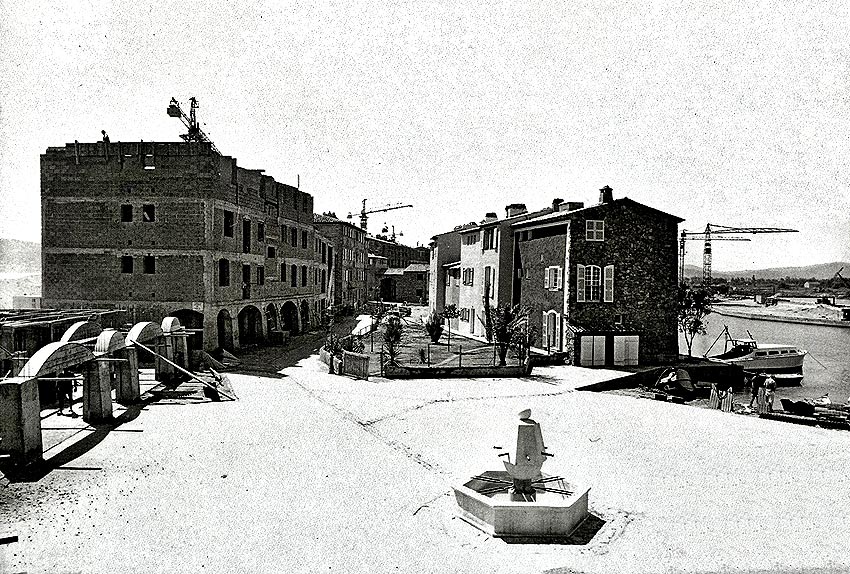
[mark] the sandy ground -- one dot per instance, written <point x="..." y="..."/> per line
<point x="799" y="309"/>
<point x="312" y="472"/>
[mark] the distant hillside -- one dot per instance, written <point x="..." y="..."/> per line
<point x="820" y="271"/>
<point x="19" y="256"/>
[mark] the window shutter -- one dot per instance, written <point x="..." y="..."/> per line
<point x="546" y="278"/>
<point x="609" y="284"/>
<point x="580" y="283"/>
<point x="545" y="330"/>
<point x="558" y="331"/>
<point x="560" y="274"/>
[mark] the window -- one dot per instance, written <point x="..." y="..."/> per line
<point x="324" y="252"/>
<point x="261" y="275"/>
<point x="304" y="239"/>
<point x="469" y="276"/>
<point x="488" y="280"/>
<point x="420" y="276"/>
<point x="271" y="252"/>
<point x="261" y="231"/>
<point x="293" y="276"/>
<point x="589" y="283"/>
<point x="303" y="275"/>
<point x="293" y="237"/>
<point x="282" y="272"/>
<point x="223" y="273"/>
<point x="464" y="315"/>
<point x="149" y="264"/>
<point x="283" y="234"/>
<point x="489" y="239"/>
<point x="126" y="213"/>
<point x="324" y="281"/>
<point x="470" y="238"/>
<point x="553" y="278"/>
<point x="595" y="230"/>
<point x="148" y="212"/>
<point x="229" y="223"/>
<point x="126" y="264"/>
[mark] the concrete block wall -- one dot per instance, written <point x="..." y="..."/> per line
<point x="83" y="189"/>
<point x="96" y="277"/>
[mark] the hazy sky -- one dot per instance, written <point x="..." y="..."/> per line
<point x="713" y="111"/>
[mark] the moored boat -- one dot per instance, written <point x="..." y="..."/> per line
<point x="784" y="362"/>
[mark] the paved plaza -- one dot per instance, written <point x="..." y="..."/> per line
<point x="309" y="472"/>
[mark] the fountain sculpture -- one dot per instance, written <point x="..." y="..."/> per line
<point x="521" y="501"/>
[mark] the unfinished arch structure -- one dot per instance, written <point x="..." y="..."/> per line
<point x="224" y="330"/>
<point x="289" y="318"/>
<point x="250" y="326"/>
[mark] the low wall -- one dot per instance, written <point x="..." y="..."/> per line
<point x="401" y="372"/>
<point x="352" y="364"/>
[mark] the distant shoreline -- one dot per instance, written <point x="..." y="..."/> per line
<point x="723" y="310"/>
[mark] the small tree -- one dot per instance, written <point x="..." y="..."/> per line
<point x="505" y="324"/>
<point x="434" y="326"/>
<point x="450" y="312"/>
<point x="693" y="305"/>
<point x="393" y="335"/>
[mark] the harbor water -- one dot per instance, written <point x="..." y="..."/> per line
<point x="826" y="368"/>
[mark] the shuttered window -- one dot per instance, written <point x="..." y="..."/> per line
<point x="589" y="283"/>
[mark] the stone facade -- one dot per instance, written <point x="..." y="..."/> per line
<point x="349" y="260"/>
<point x="164" y="229"/>
<point x="604" y="290"/>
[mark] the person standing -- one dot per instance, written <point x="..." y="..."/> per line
<point x="756" y="382"/>
<point x="105" y="137"/>
<point x="769" y="391"/>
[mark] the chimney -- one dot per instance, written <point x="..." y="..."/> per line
<point x="556" y="202"/>
<point x="572" y="205"/>
<point x="515" y="209"/>
<point x="606" y="195"/>
<point x="490" y="216"/>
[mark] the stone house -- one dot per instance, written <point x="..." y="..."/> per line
<point x="600" y="281"/>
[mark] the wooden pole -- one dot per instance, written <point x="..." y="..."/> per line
<point x="184" y="371"/>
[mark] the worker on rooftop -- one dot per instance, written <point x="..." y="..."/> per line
<point x="105" y="137"/>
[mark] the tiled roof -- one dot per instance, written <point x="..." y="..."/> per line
<point x="417" y="268"/>
<point x="394" y="271"/>
<point x="565" y="215"/>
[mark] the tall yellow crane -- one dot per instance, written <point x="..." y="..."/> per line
<point x="714" y="232"/>
<point x="364" y="213"/>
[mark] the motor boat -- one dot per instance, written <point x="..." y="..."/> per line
<point x="783" y="362"/>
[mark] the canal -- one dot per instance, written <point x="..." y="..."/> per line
<point x="826" y="368"/>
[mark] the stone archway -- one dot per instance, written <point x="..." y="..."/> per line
<point x="305" y="316"/>
<point x="289" y="317"/>
<point x="224" y="329"/>
<point x="271" y="318"/>
<point x="192" y="320"/>
<point x="250" y="326"/>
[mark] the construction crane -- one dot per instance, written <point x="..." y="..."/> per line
<point x="195" y="134"/>
<point x="715" y="232"/>
<point x="364" y="213"/>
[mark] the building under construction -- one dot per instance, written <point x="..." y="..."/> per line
<point x="177" y="229"/>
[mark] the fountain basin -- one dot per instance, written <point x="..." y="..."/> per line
<point x="549" y="514"/>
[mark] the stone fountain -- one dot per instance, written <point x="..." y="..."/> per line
<point x="521" y="501"/>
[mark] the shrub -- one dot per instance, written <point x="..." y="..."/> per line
<point x="393" y="335"/>
<point x="434" y="326"/>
